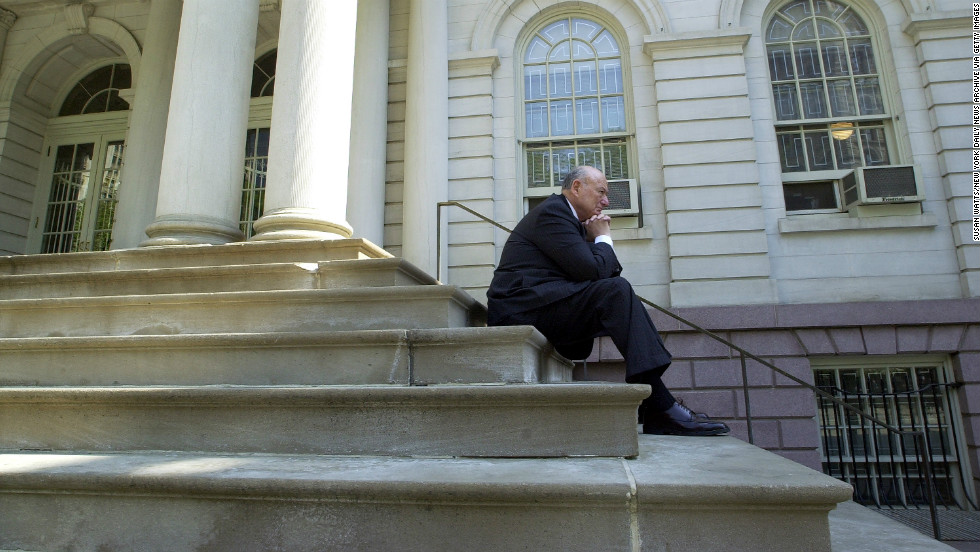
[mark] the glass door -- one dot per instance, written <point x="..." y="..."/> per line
<point x="81" y="197"/>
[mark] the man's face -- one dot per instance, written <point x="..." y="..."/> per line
<point x="591" y="197"/>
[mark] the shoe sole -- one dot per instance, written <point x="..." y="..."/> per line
<point x="702" y="433"/>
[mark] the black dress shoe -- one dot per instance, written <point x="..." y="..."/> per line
<point x="680" y="420"/>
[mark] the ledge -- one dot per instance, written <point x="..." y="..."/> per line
<point x="645" y="233"/>
<point x="837" y="223"/>
<point x="669" y="46"/>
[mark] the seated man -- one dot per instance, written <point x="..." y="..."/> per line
<point x="558" y="272"/>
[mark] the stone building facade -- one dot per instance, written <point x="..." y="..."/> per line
<point x="742" y="136"/>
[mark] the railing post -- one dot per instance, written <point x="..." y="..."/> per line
<point x="923" y="437"/>
<point x="748" y="406"/>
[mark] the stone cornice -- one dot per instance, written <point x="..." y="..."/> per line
<point x="481" y="62"/>
<point x="696" y="43"/>
<point x="937" y="21"/>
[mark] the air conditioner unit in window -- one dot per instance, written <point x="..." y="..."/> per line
<point x="881" y="185"/>
<point x="624" y="198"/>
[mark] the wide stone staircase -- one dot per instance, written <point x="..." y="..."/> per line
<point x="312" y="395"/>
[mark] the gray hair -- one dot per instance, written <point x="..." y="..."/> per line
<point x="577" y="173"/>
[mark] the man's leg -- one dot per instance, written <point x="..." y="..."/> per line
<point x="609" y="307"/>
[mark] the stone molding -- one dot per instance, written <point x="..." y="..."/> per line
<point x="696" y="43"/>
<point x="76" y="17"/>
<point x="919" y="23"/>
<point x="7" y="19"/>
<point x="473" y="63"/>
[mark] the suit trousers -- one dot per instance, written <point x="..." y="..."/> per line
<point x="607" y="307"/>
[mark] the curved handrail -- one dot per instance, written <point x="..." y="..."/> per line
<point x="918" y="434"/>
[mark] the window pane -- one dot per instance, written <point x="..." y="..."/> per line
<point x="828" y="9"/>
<point x="796" y="11"/>
<point x="535" y="83"/>
<point x="862" y="57"/>
<point x="611" y="76"/>
<point x="562" y="120"/>
<point x="812" y="95"/>
<point x="804" y="31"/>
<point x="586" y="79"/>
<point x="819" y="151"/>
<point x="781" y="63"/>
<point x="791" y="152"/>
<point x="847" y="149"/>
<point x="875" y="147"/>
<point x="841" y="98"/>
<point x="778" y="30"/>
<point x="562" y="161"/>
<point x="826" y="29"/>
<point x="613" y="114"/>
<point x="584" y="29"/>
<point x="560" y="80"/>
<point x="581" y="50"/>
<point x="606" y="45"/>
<point x="590" y="154"/>
<point x="834" y="58"/>
<point x="808" y="61"/>
<point x="537" y="51"/>
<point x="787" y="106"/>
<point x="615" y="161"/>
<point x="560" y="52"/>
<point x="538" y="168"/>
<point x="869" y="96"/>
<point x="587" y="115"/>
<point x="556" y="31"/>
<point x="853" y="25"/>
<point x="807" y="196"/>
<point x="536" y="119"/>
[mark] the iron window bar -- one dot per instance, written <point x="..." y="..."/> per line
<point x="920" y="436"/>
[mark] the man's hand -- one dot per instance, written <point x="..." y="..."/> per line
<point x="597" y="225"/>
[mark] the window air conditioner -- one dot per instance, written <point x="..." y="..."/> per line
<point x="881" y="185"/>
<point x="624" y="198"/>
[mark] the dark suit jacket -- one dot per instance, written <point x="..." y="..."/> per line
<point x="546" y="259"/>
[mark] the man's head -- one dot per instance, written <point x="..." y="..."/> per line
<point x="586" y="189"/>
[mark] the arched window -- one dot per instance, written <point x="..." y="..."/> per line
<point x="264" y="75"/>
<point x="827" y="95"/>
<point x="98" y="92"/>
<point x="574" y="104"/>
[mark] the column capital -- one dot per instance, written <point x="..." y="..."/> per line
<point x="7" y="19"/>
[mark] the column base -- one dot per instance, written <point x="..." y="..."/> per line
<point x="299" y="223"/>
<point x="191" y="230"/>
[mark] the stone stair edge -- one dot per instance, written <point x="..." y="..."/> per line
<point x="383" y="293"/>
<point x="319" y="477"/>
<point x="615" y="480"/>
<point x="16" y="264"/>
<point x="379" y="264"/>
<point x="331" y="396"/>
<point x="420" y="336"/>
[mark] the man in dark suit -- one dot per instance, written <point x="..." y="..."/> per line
<point x="558" y="272"/>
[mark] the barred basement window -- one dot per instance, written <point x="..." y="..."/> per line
<point x="827" y="97"/>
<point x="884" y="467"/>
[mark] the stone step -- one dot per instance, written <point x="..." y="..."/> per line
<point x="242" y="312"/>
<point x="212" y="279"/>
<point x="514" y="354"/>
<point x="546" y="420"/>
<point x="178" y="256"/>
<point x="713" y="494"/>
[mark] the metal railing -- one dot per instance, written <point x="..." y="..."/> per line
<point x="918" y="435"/>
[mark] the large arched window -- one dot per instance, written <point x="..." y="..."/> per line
<point x="85" y="159"/>
<point x="831" y="114"/>
<point x="574" y="104"/>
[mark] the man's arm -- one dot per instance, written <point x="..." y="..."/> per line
<point x="560" y="239"/>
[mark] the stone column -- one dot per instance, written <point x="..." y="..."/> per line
<point x="147" y="126"/>
<point x="204" y="153"/>
<point x="309" y="149"/>
<point x="426" y="130"/>
<point x="368" y="138"/>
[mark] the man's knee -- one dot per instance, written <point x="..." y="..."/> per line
<point x="616" y="286"/>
